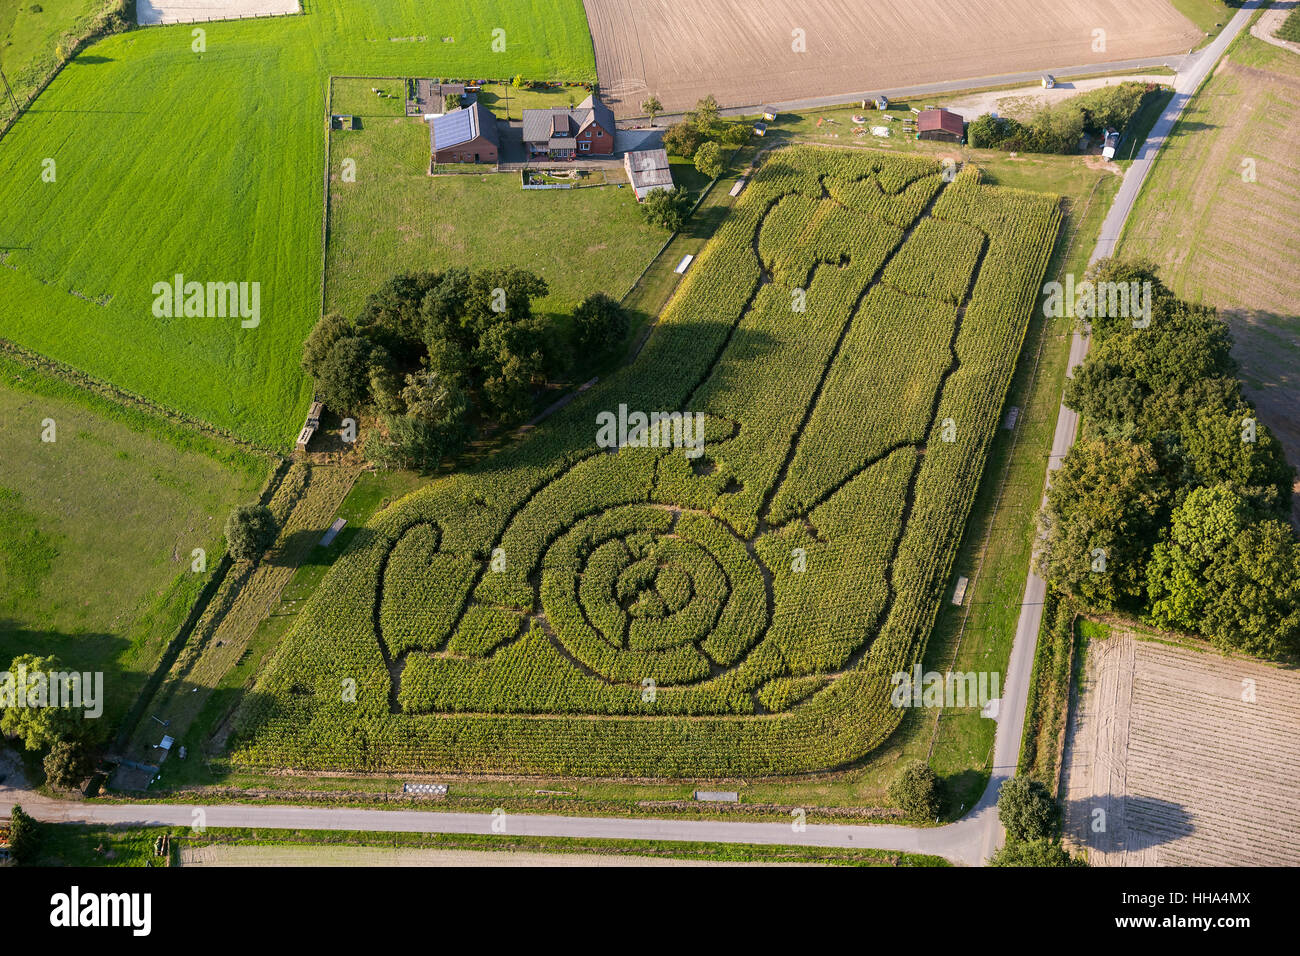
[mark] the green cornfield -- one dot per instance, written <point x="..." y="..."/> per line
<point x="727" y="609"/>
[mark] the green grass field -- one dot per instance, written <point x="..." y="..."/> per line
<point x="97" y="528"/>
<point x="35" y="33"/>
<point x="396" y="217"/>
<point x="210" y="165"/>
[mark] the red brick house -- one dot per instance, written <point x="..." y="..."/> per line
<point x="465" y="136"/>
<point x="560" y="133"/>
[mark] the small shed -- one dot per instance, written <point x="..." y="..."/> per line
<point x="769" y="113"/>
<point x="1048" y="81"/>
<point x="647" y="170"/>
<point x="166" y="743"/>
<point x="304" y="439"/>
<point x="882" y="102"/>
<point x="939" y="124"/>
<point x="345" y="121"/>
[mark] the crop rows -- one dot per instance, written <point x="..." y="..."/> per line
<point x="849" y="335"/>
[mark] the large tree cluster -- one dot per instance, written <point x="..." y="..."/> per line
<point x="1175" y="504"/>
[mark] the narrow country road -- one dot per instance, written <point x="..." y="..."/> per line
<point x="970" y="840"/>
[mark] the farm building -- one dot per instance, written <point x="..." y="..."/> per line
<point x="944" y="125"/>
<point x="465" y="136"/>
<point x="561" y="133"/>
<point x="769" y="114"/>
<point x="309" y="428"/>
<point x="345" y="121"/>
<point x="648" y="170"/>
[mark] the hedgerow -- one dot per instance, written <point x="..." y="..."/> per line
<point x="738" y="609"/>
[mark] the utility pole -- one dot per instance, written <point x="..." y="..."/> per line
<point x="9" y="92"/>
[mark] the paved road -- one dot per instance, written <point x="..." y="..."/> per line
<point x="970" y="840"/>
<point x="902" y="94"/>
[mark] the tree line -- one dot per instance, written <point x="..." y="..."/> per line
<point x="1174" y="506"/>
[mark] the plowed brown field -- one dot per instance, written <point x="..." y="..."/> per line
<point x="743" y="51"/>
<point x="1164" y="752"/>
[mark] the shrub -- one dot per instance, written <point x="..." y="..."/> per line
<point x="250" y="530"/>
<point x="67" y="764"/>
<point x="24" y="836"/>
<point x="599" y="327"/>
<point x="683" y="139"/>
<point x="1026" y="809"/>
<point x="916" y="791"/>
<point x="709" y="160"/>
<point x="667" y="208"/>
<point x="1037" y="853"/>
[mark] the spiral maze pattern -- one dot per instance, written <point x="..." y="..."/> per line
<point x="654" y="593"/>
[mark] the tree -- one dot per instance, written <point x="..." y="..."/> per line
<point x="344" y="380"/>
<point x="652" y="108"/>
<point x="1232" y="445"/>
<point x="24" y="835"/>
<point x="451" y="102"/>
<point x="1105" y="508"/>
<point x="1037" y="853"/>
<point x="916" y="791"/>
<point x="600" y="325"/>
<point x="250" y="530"/>
<point x="683" y="139"/>
<point x="32" y="711"/>
<point x="1201" y="529"/>
<point x="1107" y="396"/>
<point x="705" y="116"/>
<point x="667" y="208"/>
<point x="1254" y="592"/>
<point x="329" y="328"/>
<point x="511" y="355"/>
<point x="709" y="160"/>
<point x="67" y="764"/>
<point x="1026" y="809"/>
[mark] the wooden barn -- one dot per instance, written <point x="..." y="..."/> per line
<point x="943" y="125"/>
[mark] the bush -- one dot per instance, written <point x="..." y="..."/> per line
<point x="683" y="139"/>
<point x="599" y="327"/>
<point x="709" y="160"/>
<point x="1027" y="810"/>
<point x="450" y="102"/>
<point x="67" y="764"/>
<point x="250" y="529"/>
<point x="343" y="379"/>
<point x="667" y="208"/>
<point x="1037" y="853"/>
<point x="916" y="791"/>
<point x="24" y="836"/>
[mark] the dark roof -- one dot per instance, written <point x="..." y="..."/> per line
<point x="648" y="167"/>
<point x="461" y="126"/>
<point x="547" y="124"/>
<point x="945" y="120"/>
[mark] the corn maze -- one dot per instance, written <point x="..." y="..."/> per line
<point x="848" y="336"/>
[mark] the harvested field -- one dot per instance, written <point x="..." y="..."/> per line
<point x="1219" y="217"/>
<point x="151" y="12"/>
<point x="1188" y="773"/>
<point x="742" y="51"/>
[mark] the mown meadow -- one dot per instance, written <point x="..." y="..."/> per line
<point x="98" y="528"/>
<point x="147" y="158"/>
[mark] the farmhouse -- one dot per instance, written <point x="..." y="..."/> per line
<point x="647" y="170"/>
<point x="561" y="133"/>
<point x="940" y="124"/>
<point x="465" y="136"/>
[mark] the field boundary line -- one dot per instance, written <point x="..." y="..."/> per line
<point x="88" y="383"/>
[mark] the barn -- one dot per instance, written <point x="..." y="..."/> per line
<point x="943" y="125"/>
<point x="465" y="136"/>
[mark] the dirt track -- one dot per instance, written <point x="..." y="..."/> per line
<point x="410" y="856"/>
<point x="1186" y="771"/>
<point x="742" y="50"/>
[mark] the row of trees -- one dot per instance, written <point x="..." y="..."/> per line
<point x="432" y="353"/>
<point x="1057" y="128"/>
<point x="1175" y="505"/>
